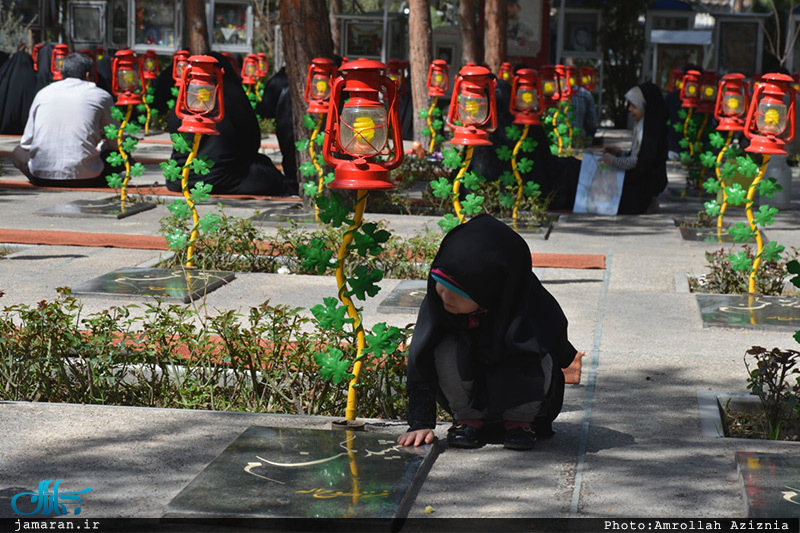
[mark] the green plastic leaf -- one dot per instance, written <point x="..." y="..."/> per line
<point x="422" y="113"/>
<point x="531" y="189"/>
<point x="772" y="251"/>
<point x="332" y="367"/>
<point x="765" y="215"/>
<point x="508" y="179"/>
<point x="708" y="159"/>
<point x="201" y="192"/>
<point x="117" y="114"/>
<point x="129" y="144"/>
<point x="177" y="240"/>
<point x="736" y="195"/>
<point x="740" y="262"/>
<point x="450" y="158"/>
<point x="302" y="145"/>
<point x="473" y="181"/>
<point x="141" y="109"/>
<point x="175" y="91"/>
<point x="179" y="209"/>
<point x="728" y="170"/>
<point x="131" y="128"/>
<point x="141" y="119"/>
<point x="315" y="256"/>
<point x="332" y="210"/>
<point x="149" y="99"/>
<point x="712" y="186"/>
<point x="114" y="181"/>
<point x="740" y="232"/>
<point x="436" y="112"/>
<point x="437" y="124"/>
<point x="171" y="170"/>
<point x="308" y="169"/>
<point x="210" y="223"/>
<point x="528" y="145"/>
<point x="319" y="141"/>
<point x="507" y="200"/>
<point x="331" y="316"/>
<point x="563" y="129"/>
<point x="202" y="165"/>
<point x="364" y="282"/>
<point x="768" y="187"/>
<point x="747" y="166"/>
<point x="513" y="133"/>
<point x="504" y="153"/>
<point x="793" y="267"/>
<point x="713" y="208"/>
<point x="448" y="222"/>
<point x="716" y="140"/>
<point x="383" y="339"/>
<point x="137" y="170"/>
<point x="310" y="188"/>
<point x="115" y="159"/>
<point x="796" y="336"/>
<point x="441" y="188"/>
<point x="328" y="178"/>
<point x="111" y="131"/>
<point x="677" y="127"/>
<point x="472" y="204"/>
<point x="524" y="165"/>
<point x="180" y="144"/>
<point x="309" y="122"/>
<point x="684" y="143"/>
<point x="369" y="239"/>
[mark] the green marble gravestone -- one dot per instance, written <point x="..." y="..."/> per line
<point x="164" y="282"/>
<point x="104" y="207"/>
<point x="307" y="473"/>
<point x="770" y="484"/>
<point x="756" y="312"/>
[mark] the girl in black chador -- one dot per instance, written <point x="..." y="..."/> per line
<point x="490" y="342"/>
<point x="17" y="89"/>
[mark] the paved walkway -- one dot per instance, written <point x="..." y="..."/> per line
<point x="628" y="443"/>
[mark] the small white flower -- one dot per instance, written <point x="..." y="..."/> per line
<point x="284" y="270"/>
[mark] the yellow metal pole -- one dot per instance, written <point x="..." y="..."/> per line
<point x="352" y="312"/>
<point x="190" y="201"/>
<point x="124" y="192"/>
<point x="751" y="192"/>
<point x="516" y="172"/>
<point x="569" y="126"/>
<point x="722" y="183"/>
<point x="555" y="129"/>
<point x="321" y="182"/>
<point x="147" y="107"/>
<point x="430" y="125"/>
<point x="686" y="130"/>
<point x="457" y="185"/>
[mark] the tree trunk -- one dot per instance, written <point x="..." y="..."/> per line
<point x="336" y="35"/>
<point x="195" y="28"/>
<point x="495" y="32"/>
<point x="469" y="33"/>
<point x="419" y="56"/>
<point x="305" y="36"/>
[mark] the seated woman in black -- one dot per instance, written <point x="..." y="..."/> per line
<point x="239" y="168"/>
<point x="645" y="164"/>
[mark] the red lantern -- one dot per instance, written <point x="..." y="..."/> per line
<point x="201" y="104"/>
<point x="708" y="91"/>
<point x="571" y="74"/>
<point x="731" y="102"/>
<point x="527" y="100"/>
<point x="127" y="81"/>
<point x="60" y="51"/>
<point x="588" y="78"/>
<point x="35" y="55"/>
<point x="770" y="118"/>
<point x="474" y="104"/>
<point x="506" y="72"/>
<point x="438" y="78"/>
<point x="359" y="127"/>
<point x="318" y="84"/>
<point x="675" y="80"/>
<point x="690" y="89"/>
<point x="565" y="84"/>
<point x="551" y="83"/>
<point x="796" y="78"/>
<point x="263" y="65"/>
<point x="179" y="62"/>
<point x="250" y="69"/>
<point x="397" y="74"/>
<point x="149" y="65"/>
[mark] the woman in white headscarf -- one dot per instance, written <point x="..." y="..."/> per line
<point x="645" y="163"/>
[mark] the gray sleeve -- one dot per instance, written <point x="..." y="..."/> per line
<point x="625" y="161"/>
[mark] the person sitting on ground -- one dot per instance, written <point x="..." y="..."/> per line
<point x="238" y="168"/>
<point x="17" y="90"/>
<point x="490" y="342"/>
<point x="64" y="144"/>
<point x="645" y="164"/>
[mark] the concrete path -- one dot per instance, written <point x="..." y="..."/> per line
<point x="628" y="442"/>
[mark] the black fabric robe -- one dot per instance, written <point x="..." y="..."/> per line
<point x="522" y="324"/>
<point x="43" y="75"/>
<point x="17" y="90"/>
<point x="277" y="103"/>
<point x="649" y="177"/>
<point x="239" y="168"/>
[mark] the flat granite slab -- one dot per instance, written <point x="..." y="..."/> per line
<point x="164" y="282"/>
<point x="105" y="207"/>
<point x="271" y="472"/>
<point x="710" y="235"/>
<point x="770" y="484"/>
<point x="405" y="298"/>
<point x="744" y="311"/>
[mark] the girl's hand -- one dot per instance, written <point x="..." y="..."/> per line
<point x="613" y="150"/>
<point x="416" y="438"/>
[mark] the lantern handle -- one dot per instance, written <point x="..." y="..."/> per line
<point x="751" y="112"/>
<point x="394" y="120"/>
<point x="220" y="92"/>
<point x="451" y="112"/>
<point x="332" y="123"/>
<point x="307" y="90"/>
<point x="790" y="112"/>
<point x="493" y="104"/>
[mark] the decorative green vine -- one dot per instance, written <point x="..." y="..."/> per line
<point x="558" y="121"/>
<point x="125" y="147"/>
<point x="435" y="129"/>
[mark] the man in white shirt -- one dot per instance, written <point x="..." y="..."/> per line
<point x="63" y="141"/>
